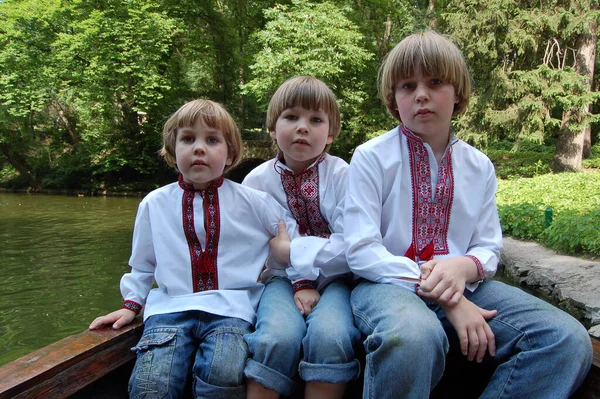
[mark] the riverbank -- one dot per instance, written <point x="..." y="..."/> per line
<point x="570" y="283"/>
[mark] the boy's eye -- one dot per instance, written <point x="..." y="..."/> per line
<point x="212" y="140"/>
<point x="291" y="117"/>
<point x="187" y="139"/>
<point x="317" y="120"/>
<point x="436" y="81"/>
<point x="407" y="86"/>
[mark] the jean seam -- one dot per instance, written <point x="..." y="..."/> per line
<point x="524" y="337"/>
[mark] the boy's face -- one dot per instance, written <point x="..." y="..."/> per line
<point x="302" y="135"/>
<point x="201" y="154"/>
<point x="426" y="105"/>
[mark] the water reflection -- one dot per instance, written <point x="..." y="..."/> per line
<point x="61" y="259"/>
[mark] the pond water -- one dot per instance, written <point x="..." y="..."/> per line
<point x="61" y="259"/>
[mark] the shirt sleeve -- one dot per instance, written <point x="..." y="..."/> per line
<point x="367" y="255"/>
<point x="312" y="256"/>
<point x="486" y="243"/>
<point x="272" y="212"/>
<point x="136" y="285"/>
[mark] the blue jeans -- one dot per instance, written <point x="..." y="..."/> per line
<point x="541" y="351"/>
<point x="327" y="336"/>
<point x="173" y="344"/>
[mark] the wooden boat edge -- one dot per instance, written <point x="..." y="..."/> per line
<point x="69" y="365"/>
<point x="66" y="366"/>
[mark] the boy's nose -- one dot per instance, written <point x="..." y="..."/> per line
<point x="302" y="127"/>
<point x="199" y="147"/>
<point x="421" y="94"/>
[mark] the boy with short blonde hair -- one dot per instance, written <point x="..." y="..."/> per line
<point x="203" y="240"/>
<point x="421" y="225"/>
<point x="303" y="119"/>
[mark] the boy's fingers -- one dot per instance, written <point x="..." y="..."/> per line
<point x="491" y="339"/>
<point x="483" y="345"/>
<point x="473" y="344"/>
<point x="487" y="314"/>
<point x="426" y="270"/>
<point x="281" y="229"/>
<point x="299" y="305"/>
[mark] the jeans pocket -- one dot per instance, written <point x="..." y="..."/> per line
<point x="152" y="372"/>
<point x="156" y="337"/>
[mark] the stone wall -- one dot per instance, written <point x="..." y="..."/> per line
<point x="567" y="282"/>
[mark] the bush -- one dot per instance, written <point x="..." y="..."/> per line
<point x="574" y="199"/>
<point x="574" y="233"/>
<point x="524" y="221"/>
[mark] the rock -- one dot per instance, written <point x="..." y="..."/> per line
<point x="568" y="282"/>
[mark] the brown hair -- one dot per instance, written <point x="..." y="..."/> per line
<point x="431" y="54"/>
<point x="213" y="115"/>
<point x="307" y="92"/>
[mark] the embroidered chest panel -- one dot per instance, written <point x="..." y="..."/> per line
<point x="303" y="201"/>
<point x="203" y="262"/>
<point x="431" y="214"/>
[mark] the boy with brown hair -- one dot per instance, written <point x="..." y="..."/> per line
<point x="421" y="225"/>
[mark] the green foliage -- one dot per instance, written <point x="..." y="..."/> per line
<point x="528" y="82"/>
<point x="524" y="221"/>
<point x="574" y="199"/>
<point x="74" y="74"/>
<point x="575" y="233"/>
<point x="315" y="39"/>
<point x="517" y="160"/>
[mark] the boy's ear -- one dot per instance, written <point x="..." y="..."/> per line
<point x="329" y="139"/>
<point x="273" y="135"/>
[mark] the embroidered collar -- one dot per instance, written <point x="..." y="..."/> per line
<point x="282" y="168"/>
<point x="213" y="184"/>
<point x="410" y="135"/>
<point x="203" y="262"/>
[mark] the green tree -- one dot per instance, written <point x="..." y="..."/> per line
<point x="523" y="58"/>
<point x="313" y="39"/>
<point x="27" y="97"/>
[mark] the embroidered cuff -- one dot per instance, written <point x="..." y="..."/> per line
<point x="133" y="306"/>
<point x="304" y="285"/>
<point x="479" y="267"/>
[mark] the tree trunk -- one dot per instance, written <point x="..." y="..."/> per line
<point x="22" y="166"/>
<point x="585" y="62"/>
<point x="569" y="146"/>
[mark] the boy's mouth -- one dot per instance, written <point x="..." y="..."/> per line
<point x="199" y="163"/>
<point x="300" y="141"/>
<point x="423" y="111"/>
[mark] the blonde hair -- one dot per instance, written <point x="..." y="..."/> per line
<point x="431" y="54"/>
<point x="213" y="115"/>
<point x="307" y="92"/>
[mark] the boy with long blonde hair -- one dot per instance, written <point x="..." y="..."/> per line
<point x="422" y="230"/>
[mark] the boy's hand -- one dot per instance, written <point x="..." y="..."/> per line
<point x="306" y="300"/>
<point x="280" y="244"/>
<point x="474" y="333"/>
<point x="118" y="319"/>
<point x="443" y="280"/>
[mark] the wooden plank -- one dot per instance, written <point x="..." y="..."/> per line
<point x="590" y="389"/>
<point x="66" y="366"/>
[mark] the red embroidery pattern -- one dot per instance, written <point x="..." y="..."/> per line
<point x="304" y="285"/>
<point x="480" y="269"/>
<point x="431" y="218"/>
<point x="132" y="305"/>
<point x="204" y="263"/>
<point x="303" y="200"/>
